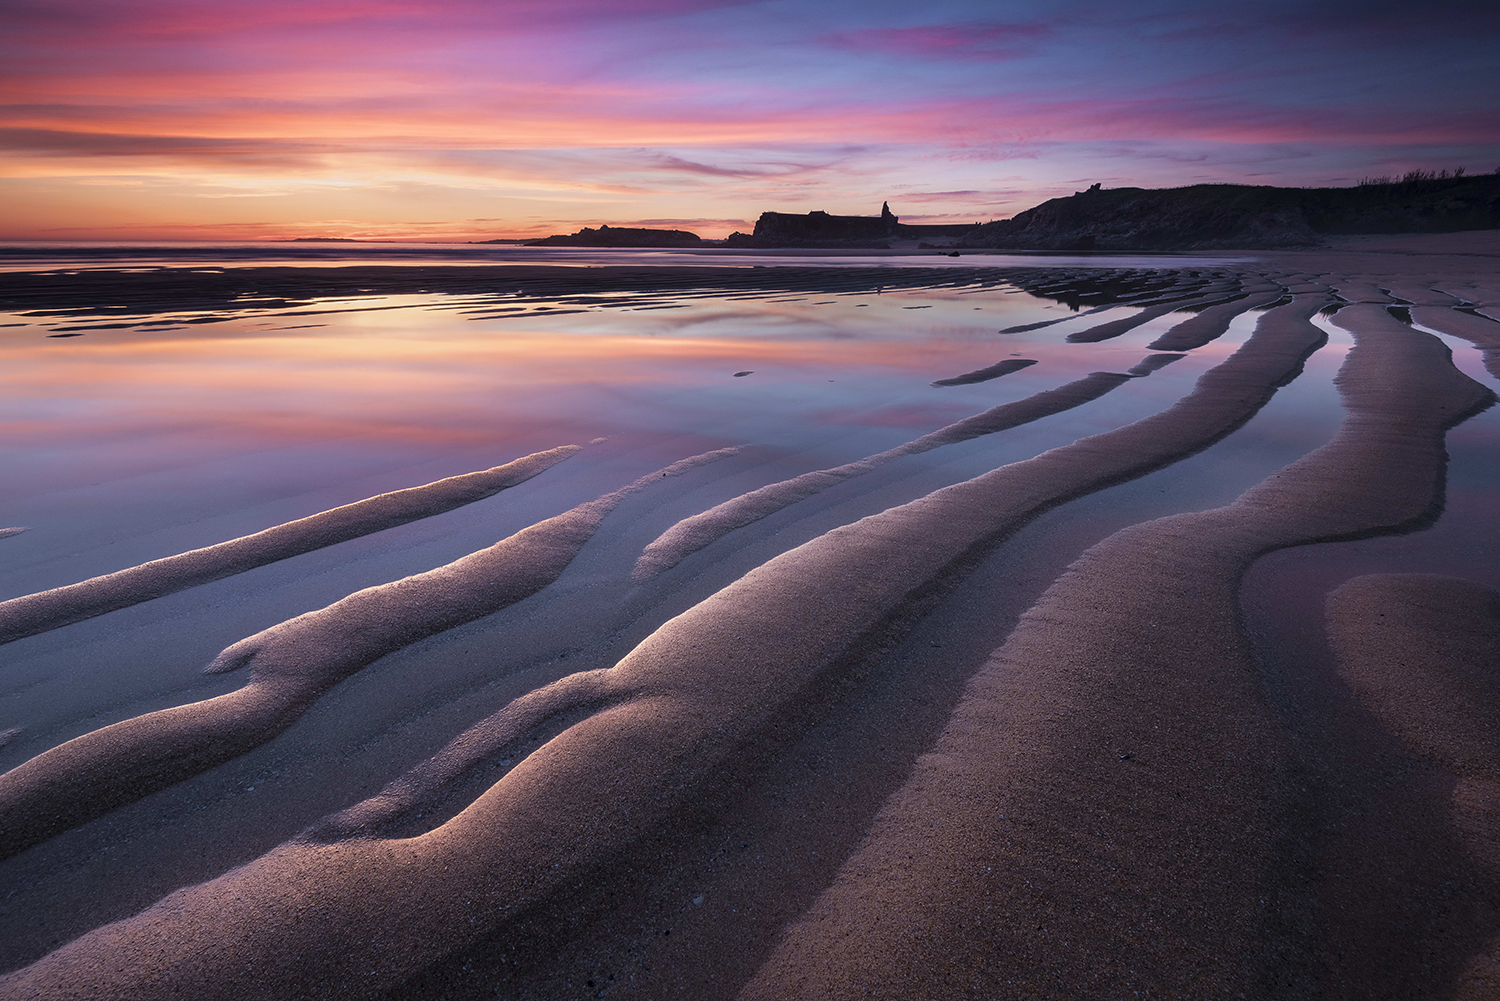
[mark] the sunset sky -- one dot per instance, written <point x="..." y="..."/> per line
<point x="473" y="119"/>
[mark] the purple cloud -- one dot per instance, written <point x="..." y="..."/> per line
<point x="984" y="41"/>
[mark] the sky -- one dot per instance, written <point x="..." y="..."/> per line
<point x="479" y="119"/>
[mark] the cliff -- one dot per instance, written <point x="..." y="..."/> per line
<point x="1234" y="216"/>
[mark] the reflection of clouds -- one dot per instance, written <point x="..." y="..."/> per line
<point x="428" y="375"/>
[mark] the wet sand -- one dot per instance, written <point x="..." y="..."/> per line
<point x="930" y="752"/>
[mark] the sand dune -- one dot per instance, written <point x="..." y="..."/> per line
<point x="291" y="666"/>
<point x="61" y="606"/>
<point x="725" y="674"/>
<point x="1113" y="780"/>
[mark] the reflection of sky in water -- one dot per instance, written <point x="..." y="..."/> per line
<point x="28" y="255"/>
<point x="142" y="438"/>
<point x="130" y="443"/>
<point x="226" y="427"/>
<point x="173" y="417"/>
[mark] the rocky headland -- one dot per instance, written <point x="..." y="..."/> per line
<point x="1243" y="217"/>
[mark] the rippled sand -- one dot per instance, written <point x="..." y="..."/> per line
<point x="1017" y="732"/>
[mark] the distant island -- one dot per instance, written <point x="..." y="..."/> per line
<point x="1198" y="217"/>
<point x="622" y="236"/>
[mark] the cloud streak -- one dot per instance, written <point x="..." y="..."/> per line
<point x="558" y="112"/>
<point x="983" y="41"/>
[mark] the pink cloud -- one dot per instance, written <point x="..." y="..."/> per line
<point x="681" y="109"/>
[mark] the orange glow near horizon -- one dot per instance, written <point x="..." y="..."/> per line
<point x="458" y="120"/>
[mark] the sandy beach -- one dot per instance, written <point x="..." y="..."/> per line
<point x="1040" y="628"/>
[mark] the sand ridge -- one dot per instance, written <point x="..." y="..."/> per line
<point x="1177" y="292"/>
<point x="1211" y="323"/>
<point x="693" y="533"/>
<point x="1157" y="831"/>
<point x="1114" y="328"/>
<point x="987" y="373"/>
<point x="291" y="665"/>
<point x="61" y="606"/>
<point x="694" y="693"/>
<point x="1474" y="327"/>
<point x="1112" y="780"/>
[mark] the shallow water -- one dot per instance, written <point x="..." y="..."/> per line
<point x="205" y="431"/>
<point x="40" y="254"/>
<point x="166" y="425"/>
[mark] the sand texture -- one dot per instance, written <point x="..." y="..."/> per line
<point x="1174" y="676"/>
<point x="1161" y="294"/>
<point x="1211" y="322"/>
<point x="61" y="606"/>
<point x="1474" y="327"/>
<point x="1114" y="328"/>
<point x="1113" y="776"/>
<point x="291" y="665"/>
<point x="692" y="534"/>
<point x="1423" y="653"/>
<point x="690" y="696"/>
<point x="987" y="373"/>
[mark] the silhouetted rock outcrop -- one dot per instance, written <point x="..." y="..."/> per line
<point x="820" y="229"/>
<point x="1225" y="216"/>
<point x="621" y="236"/>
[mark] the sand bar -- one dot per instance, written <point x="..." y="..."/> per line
<point x="1372" y="894"/>
<point x="728" y="673"/>
<point x="1113" y="777"/>
<point x="61" y="606"/>
<point x="291" y="665"/>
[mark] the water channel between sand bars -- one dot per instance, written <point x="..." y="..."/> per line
<point x="621" y="627"/>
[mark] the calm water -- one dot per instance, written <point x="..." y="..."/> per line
<point x="133" y="432"/>
<point x="119" y="426"/>
<point x="141" y="425"/>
